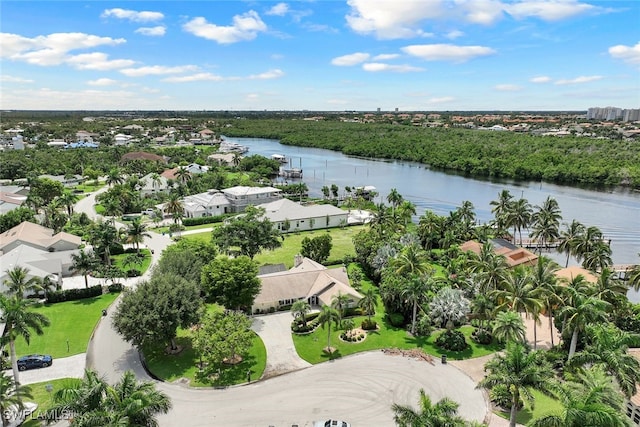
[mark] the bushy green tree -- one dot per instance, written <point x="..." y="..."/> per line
<point x="231" y="282"/>
<point x="249" y="234"/>
<point x="317" y="248"/>
<point x="223" y="336"/>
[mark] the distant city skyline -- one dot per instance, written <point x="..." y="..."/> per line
<point x="413" y="55"/>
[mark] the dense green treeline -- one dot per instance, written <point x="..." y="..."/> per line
<point x="566" y="160"/>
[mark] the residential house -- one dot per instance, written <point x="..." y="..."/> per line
<point x="308" y="281"/>
<point x="223" y="159"/>
<point x="10" y="201"/>
<point x="66" y="180"/>
<point x="210" y="203"/>
<point x="39" y="237"/>
<point x="301" y="218"/>
<point x="571" y="272"/>
<point x="241" y="196"/>
<point x="514" y="255"/>
<point x="195" y="168"/>
<point x="152" y="186"/>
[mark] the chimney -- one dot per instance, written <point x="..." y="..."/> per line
<point x="297" y="260"/>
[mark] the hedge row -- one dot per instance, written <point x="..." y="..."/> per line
<point x="74" y="294"/>
<point x="202" y="220"/>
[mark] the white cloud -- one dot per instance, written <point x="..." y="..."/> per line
<point x="483" y="12"/>
<point x="578" y="80"/>
<point x="279" y="9"/>
<point x="200" y="77"/>
<point x="97" y="61"/>
<point x="245" y="27"/>
<point x="132" y="15"/>
<point x="267" y="75"/>
<point x="152" y="31"/>
<point x="392" y="19"/>
<point x="350" y="60"/>
<point x="102" y="82"/>
<point x="540" y="79"/>
<point x="447" y="52"/>
<point x="441" y="100"/>
<point x="14" y="79"/>
<point x="338" y="101"/>
<point x="507" y="87"/>
<point x="51" y="49"/>
<point x="553" y="10"/>
<point x="379" y="66"/>
<point x="385" y="57"/>
<point x="630" y="54"/>
<point x="454" y="34"/>
<point x="157" y="70"/>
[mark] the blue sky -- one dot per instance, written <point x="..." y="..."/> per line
<point x="433" y="55"/>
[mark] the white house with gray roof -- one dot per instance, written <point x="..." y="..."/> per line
<point x="241" y="196"/>
<point x="303" y="218"/>
<point x="211" y="203"/>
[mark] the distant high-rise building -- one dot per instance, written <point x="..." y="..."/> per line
<point x="613" y="113"/>
<point x="396" y="109"/>
<point x="378" y="109"/>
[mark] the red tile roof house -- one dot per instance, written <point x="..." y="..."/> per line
<point x="514" y="255"/>
<point x="307" y="280"/>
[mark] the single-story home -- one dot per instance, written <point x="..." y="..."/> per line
<point x="307" y="280"/>
<point x="223" y="159"/>
<point x="513" y="254"/>
<point x="301" y="218"/>
<point x="39" y="237"/>
<point x="10" y="201"/>
<point x="151" y="186"/>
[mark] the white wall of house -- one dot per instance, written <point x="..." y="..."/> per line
<point x="312" y="223"/>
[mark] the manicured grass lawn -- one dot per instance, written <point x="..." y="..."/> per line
<point x="543" y="405"/>
<point x="89" y="186"/>
<point x="191" y="227"/>
<point x="43" y="398"/>
<point x="310" y="346"/>
<point x="71" y="321"/>
<point x="184" y="365"/>
<point x="146" y="262"/>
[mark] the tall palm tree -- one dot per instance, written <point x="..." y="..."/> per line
<point x="369" y="302"/>
<point x="543" y="280"/>
<point x="340" y="302"/>
<point x="84" y="263"/>
<point x="490" y="269"/>
<point x="482" y="308"/>
<point x="394" y="198"/>
<point x="328" y="315"/>
<point x="127" y="403"/>
<point x="11" y="397"/>
<point x="586" y="242"/>
<point x="519" y="371"/>
<point x="598" y="257"/>
<point x="136" y="232"/>
<point x="609" y="288"/>
<point x="441" y="414"/>
<point x="156" y="180"/>
<point x="411" y="261"/>
<point x="608" y="346"/>
<point x="114" y="177"/>
<point x="633" y="277"/>
<point x="414" y="292"/>
<point x="300" y="309"/>
<point x="405" y="211"/>
<point x="68" y="200"/>
<point x="591" y="400"/>
<point x="519" y="216"/>
<point x="569" y="239"/>
<point x="183" y="175"/>
<point x="508" y="326"/>
<point x="500" y="210"/>
<point x="579" y="311"/>
<point x="546" y="222"/>
<point x="467" y="215"/>
<point x="18" y="282"/>
<point x="102" y="235"/>
<point x="19" y="321"/>
<point x="174" y="207"/>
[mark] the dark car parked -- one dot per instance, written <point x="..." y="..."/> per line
<point x="34" y="361"/>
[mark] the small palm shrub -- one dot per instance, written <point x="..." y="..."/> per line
<point x="424" y="327"/>
<point x="482" y="336"/>
<point x="368" y="325"/>
<point x="500" y="396"/>
<point x="452" y="340"/>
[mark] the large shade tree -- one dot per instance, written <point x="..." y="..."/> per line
<point x="248" y="234"/>
<point x="231" y="282"/>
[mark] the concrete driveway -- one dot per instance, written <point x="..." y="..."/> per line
<point x="359" y="389"/>
<point x="275" y="332"/>
<point x="67" y="367"/>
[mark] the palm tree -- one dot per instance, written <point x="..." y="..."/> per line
<point x="509" y="327"/>
<point x="467" y="215"/>
<point x="327" y="316"/>
<point x="18" y="282"/>
<point x="519" y="371"/>
<point x="300" y="309"/>
<point x="84" y="263"/>
<point x="114" y="177"/>
<point x="633" y="276"/>
<point x="579" y="311"/>
<point x="405" y="211"/>
<point x="569" y="239"/>
<point x="136" y="232"/>
<point x="369" y="302"/>
<point x="598" y="258"/>
<point x="340" y="302"/>
<point x="441" y="414"/>
<point x="102" y="235"/>
<point x="183" y="175"/>
<point x="174" y="207"/>
<point x="394" y="198"/>
<point x="543" y="280"/>
<point x="519" y="216"/>
<point x="414" y="292"/>
<point x="546" y="222"/>
<point x="11" y="397"/>
<point x="608" y="346"/>
<point x="19" y="321"/>
<point x="490" y="269"/>
<point x="500" y="211"/>
<point x="609" y="288"/>
<point x="590" y="401"/>
<point x="586" y="242"/>
<point x="411" y="261"/>
<point x="482" y="308"/>
<point x="68" y="199"/>
<point x="127" y="403"/>
<point x="156" y="180"/>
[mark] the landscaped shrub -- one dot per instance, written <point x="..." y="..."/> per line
<point x="74" y="294"/>
<point x="501" y="396"/>
<point x="116" y="249"/>
<point x="423" y="327"/>
<point x="272" y="309"/>
<point x="482" y="336"/>
<point x="396" y="319"/>
<point x="368" y="325"/>
<point x="452" y="340"/>
<point x="203" y="220"/>
<point x="115" y="287"/>
<point x="132" y="272"/>
<point x="353" y="311"/>
<point x="299" y="327"/>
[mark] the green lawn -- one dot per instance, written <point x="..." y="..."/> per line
<point x="310" y="346"/>
<point x="191" y="227"/>
<point x="543" y="405"/>
<point x="146" y="262"/>
<point x="71" y="321"/>
<point x="184" y="365"/>
<point x="89" y="186"/>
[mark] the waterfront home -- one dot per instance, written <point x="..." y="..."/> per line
<point x="302" y="218"/>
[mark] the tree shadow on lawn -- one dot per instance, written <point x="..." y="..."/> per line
<point x="335" y="354"/>
<point x="432" y="349"/>
<point x="223" y="375"/>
